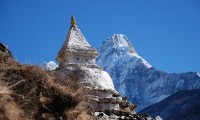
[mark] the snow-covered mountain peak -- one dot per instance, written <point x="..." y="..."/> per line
<point x="117" y="49"/>
<point x="119" y="42"/>
<point x="133" y="76"/>
<point x="115" y="53"/>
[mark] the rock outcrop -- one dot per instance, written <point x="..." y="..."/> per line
<point x="5" y="50"/>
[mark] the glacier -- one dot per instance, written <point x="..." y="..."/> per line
<point x="135" y="78"/>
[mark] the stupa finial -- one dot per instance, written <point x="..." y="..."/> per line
<point x="73" y="22"/>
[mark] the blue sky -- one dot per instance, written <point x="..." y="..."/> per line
<point x="164" y="32"/>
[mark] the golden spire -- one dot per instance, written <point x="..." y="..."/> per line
<point x="73" y="22"/>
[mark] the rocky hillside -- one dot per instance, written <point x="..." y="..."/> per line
<point x="182" y="105"/>
<point x="135" y="78"/>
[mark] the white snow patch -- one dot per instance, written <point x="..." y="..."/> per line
<point x="50" y="65"/>
<point x="198" y="74"/>
<point x="180" y="83"/>
<point x="158" y="118"/>
<point x="121" y="89"/>
<point x="119" y="40"/>
<point x="144" y="61"/>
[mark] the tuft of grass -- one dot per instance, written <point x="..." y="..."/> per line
<point x="9" y="110"/>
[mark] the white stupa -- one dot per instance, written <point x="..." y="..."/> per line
<point x="77" y="53"/>
<point x="77" y="61"/>
<point x="76" y="49"/>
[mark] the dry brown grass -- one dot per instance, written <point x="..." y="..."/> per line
<point x="42" y="96"/>
<point x="9" y="110"/>
<point x="31" y="93"/>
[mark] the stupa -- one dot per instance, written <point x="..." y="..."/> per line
<point x="77" y="62"/>
<point x="76" y="49"/>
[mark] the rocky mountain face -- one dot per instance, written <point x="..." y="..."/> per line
<point x="5" y="53"/>
<point x="135" y="78"/>
<point x="182" y="105"/>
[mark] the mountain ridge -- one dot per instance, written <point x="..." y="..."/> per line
<point x="183" y="104"/>
<point x="134" y="77"/>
